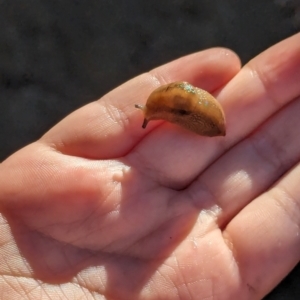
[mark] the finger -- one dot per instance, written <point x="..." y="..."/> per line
<point x="259" y="90"/>
<point x="265" y="237"/>
<point x="251" y="167"/>
<point x="111" y="126"/>
<point x="264" y="85"/>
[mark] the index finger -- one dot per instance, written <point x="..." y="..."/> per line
<point x="111" y="126"/>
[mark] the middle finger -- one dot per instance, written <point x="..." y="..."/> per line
<point x="251" y="167"/>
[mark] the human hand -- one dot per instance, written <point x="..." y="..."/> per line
<point x="100" y="207"/>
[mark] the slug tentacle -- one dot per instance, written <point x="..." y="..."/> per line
<point x="140" y="106"/>
<point x="187" y="106"/>
<point x="145" y="123"/>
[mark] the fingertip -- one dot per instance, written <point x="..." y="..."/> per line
<point x="208" y="69"/>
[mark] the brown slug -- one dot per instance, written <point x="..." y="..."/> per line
<point x="187" y="106"/>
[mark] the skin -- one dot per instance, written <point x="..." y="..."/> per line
<point x="100" y="208"/>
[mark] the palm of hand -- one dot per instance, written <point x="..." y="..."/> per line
<point x="111" y="209"/>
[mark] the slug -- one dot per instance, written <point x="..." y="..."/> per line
<point x="187" y="106"/>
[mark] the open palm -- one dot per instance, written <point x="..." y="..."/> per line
<point x="100" y="207"/>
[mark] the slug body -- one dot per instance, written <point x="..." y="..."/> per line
<point x="187" y="106"/>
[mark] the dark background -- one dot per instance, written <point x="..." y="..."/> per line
<point x="56" y="56"/>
